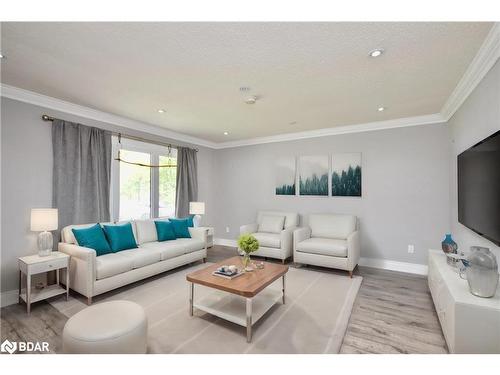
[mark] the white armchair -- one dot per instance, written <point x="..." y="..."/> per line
<point x="330" y="240"/>
<point x="274" y="231"/>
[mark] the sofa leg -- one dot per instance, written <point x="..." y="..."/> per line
<point x="282" y="261"/>
<point x="204" y="260"/>
<point x="89" y="301"/>
<point x="350" y="274"/>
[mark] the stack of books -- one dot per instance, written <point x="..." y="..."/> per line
<point x="227" y="272"/>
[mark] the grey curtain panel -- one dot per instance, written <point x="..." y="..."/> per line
<point x="82" y="173"/>
<point x="187" y="180"/>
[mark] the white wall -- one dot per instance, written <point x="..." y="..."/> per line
<point x="26" y="158"/>
<point x="26" y="183"/>
<point x="405" y="175"/>
<point x="476" y="119"/>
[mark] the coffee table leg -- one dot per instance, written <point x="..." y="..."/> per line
<point x="191" y="296"/>
<point x="249" y="319"/>
<point x="283" y="289"/>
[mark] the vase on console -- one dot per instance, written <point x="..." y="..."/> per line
<point x="450" y="247"/>
<point x="481" y="269"/>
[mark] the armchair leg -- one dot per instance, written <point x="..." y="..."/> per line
<point x="282" y="261"/>
<point x="204" y="260"/>
<point x="89" y="301"/>
<point x="350" y="274"/>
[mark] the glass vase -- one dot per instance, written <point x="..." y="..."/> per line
<point x="246" y="262"/>
<point x="482" y="272"/>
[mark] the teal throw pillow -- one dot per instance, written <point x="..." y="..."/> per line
<point x="190" y="221"/>
<point x="93" y="238"/>
<point x="165" y="230"/>
<point x="181" y="227"/>
<point x="120" y="237"/>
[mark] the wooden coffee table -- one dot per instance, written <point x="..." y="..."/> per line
<point x="242" y="300"/>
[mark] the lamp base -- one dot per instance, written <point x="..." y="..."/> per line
<point x="45" y="244"/>
<point x="44" y="253"/>
<point x="197" y="220"/>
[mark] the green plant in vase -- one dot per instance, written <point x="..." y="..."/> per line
<point x="248" y="244"/>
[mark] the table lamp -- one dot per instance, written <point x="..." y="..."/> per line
<point x="44" y="220"/>
<point x="197" y="209"/>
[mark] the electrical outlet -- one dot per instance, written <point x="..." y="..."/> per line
<point x="227" y="230"/>
<point x="411" y="249"/>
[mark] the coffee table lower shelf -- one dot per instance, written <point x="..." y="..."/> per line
<point x="239" y="310"/>
<point x="243" y="300"/>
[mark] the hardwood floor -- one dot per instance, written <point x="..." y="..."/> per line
<point x="393" y="313"/>
<point x="44" y="324"/>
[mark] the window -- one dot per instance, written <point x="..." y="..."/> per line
<point x="141" y="192"/>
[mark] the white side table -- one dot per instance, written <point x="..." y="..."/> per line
<point x="210" y="237"/>
<point x="35" y="264"/>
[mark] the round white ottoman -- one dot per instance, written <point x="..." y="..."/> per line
<point x="108" y="327"/>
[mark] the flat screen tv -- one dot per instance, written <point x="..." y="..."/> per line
<point x="479" y="188"/>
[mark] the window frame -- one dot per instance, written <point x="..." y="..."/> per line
<point x="155" y="151"/>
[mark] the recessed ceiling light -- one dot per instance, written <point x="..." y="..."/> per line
<point x="226" y="133"/>
<point x="376" y="52"/>
<point x="381" y="109"/>
<point x="161" y="111"/>
<point x="293" y="123"/>
<point x="244" y="88"/>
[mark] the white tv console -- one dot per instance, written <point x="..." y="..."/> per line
<point x="470" y="324"/>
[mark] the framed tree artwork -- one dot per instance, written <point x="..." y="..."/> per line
<point x="313" y="175"/>
<point x="346" y="174"/>
<point x="285" y="175"/>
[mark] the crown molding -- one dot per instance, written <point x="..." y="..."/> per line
<point x="86" y="112"/>
<point x="93" y="114"/>
<point x="435" y="118"/>
<point x="485" y="58"/>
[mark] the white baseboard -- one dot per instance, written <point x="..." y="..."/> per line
<point x="392" y="265"/>
<point x="225" y="242"/>
<point x="9" y="297"/>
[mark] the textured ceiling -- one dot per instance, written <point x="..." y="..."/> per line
<point x="313" y="75"/>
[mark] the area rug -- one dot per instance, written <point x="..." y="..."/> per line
<point x="313" y="320"/>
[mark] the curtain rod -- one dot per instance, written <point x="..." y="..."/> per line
<point x="132" y="137"/>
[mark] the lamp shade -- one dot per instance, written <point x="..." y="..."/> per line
<point x="197" y="208"/>
<point x="43" y="219"/>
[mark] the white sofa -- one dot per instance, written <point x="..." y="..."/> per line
<point x="91" y="275"/>
<point x="275" y="236"/>
<point x="329" y="240"/>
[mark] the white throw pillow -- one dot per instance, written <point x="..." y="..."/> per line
<point x="146" y="231"/>
<point x="271" y="223"/>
